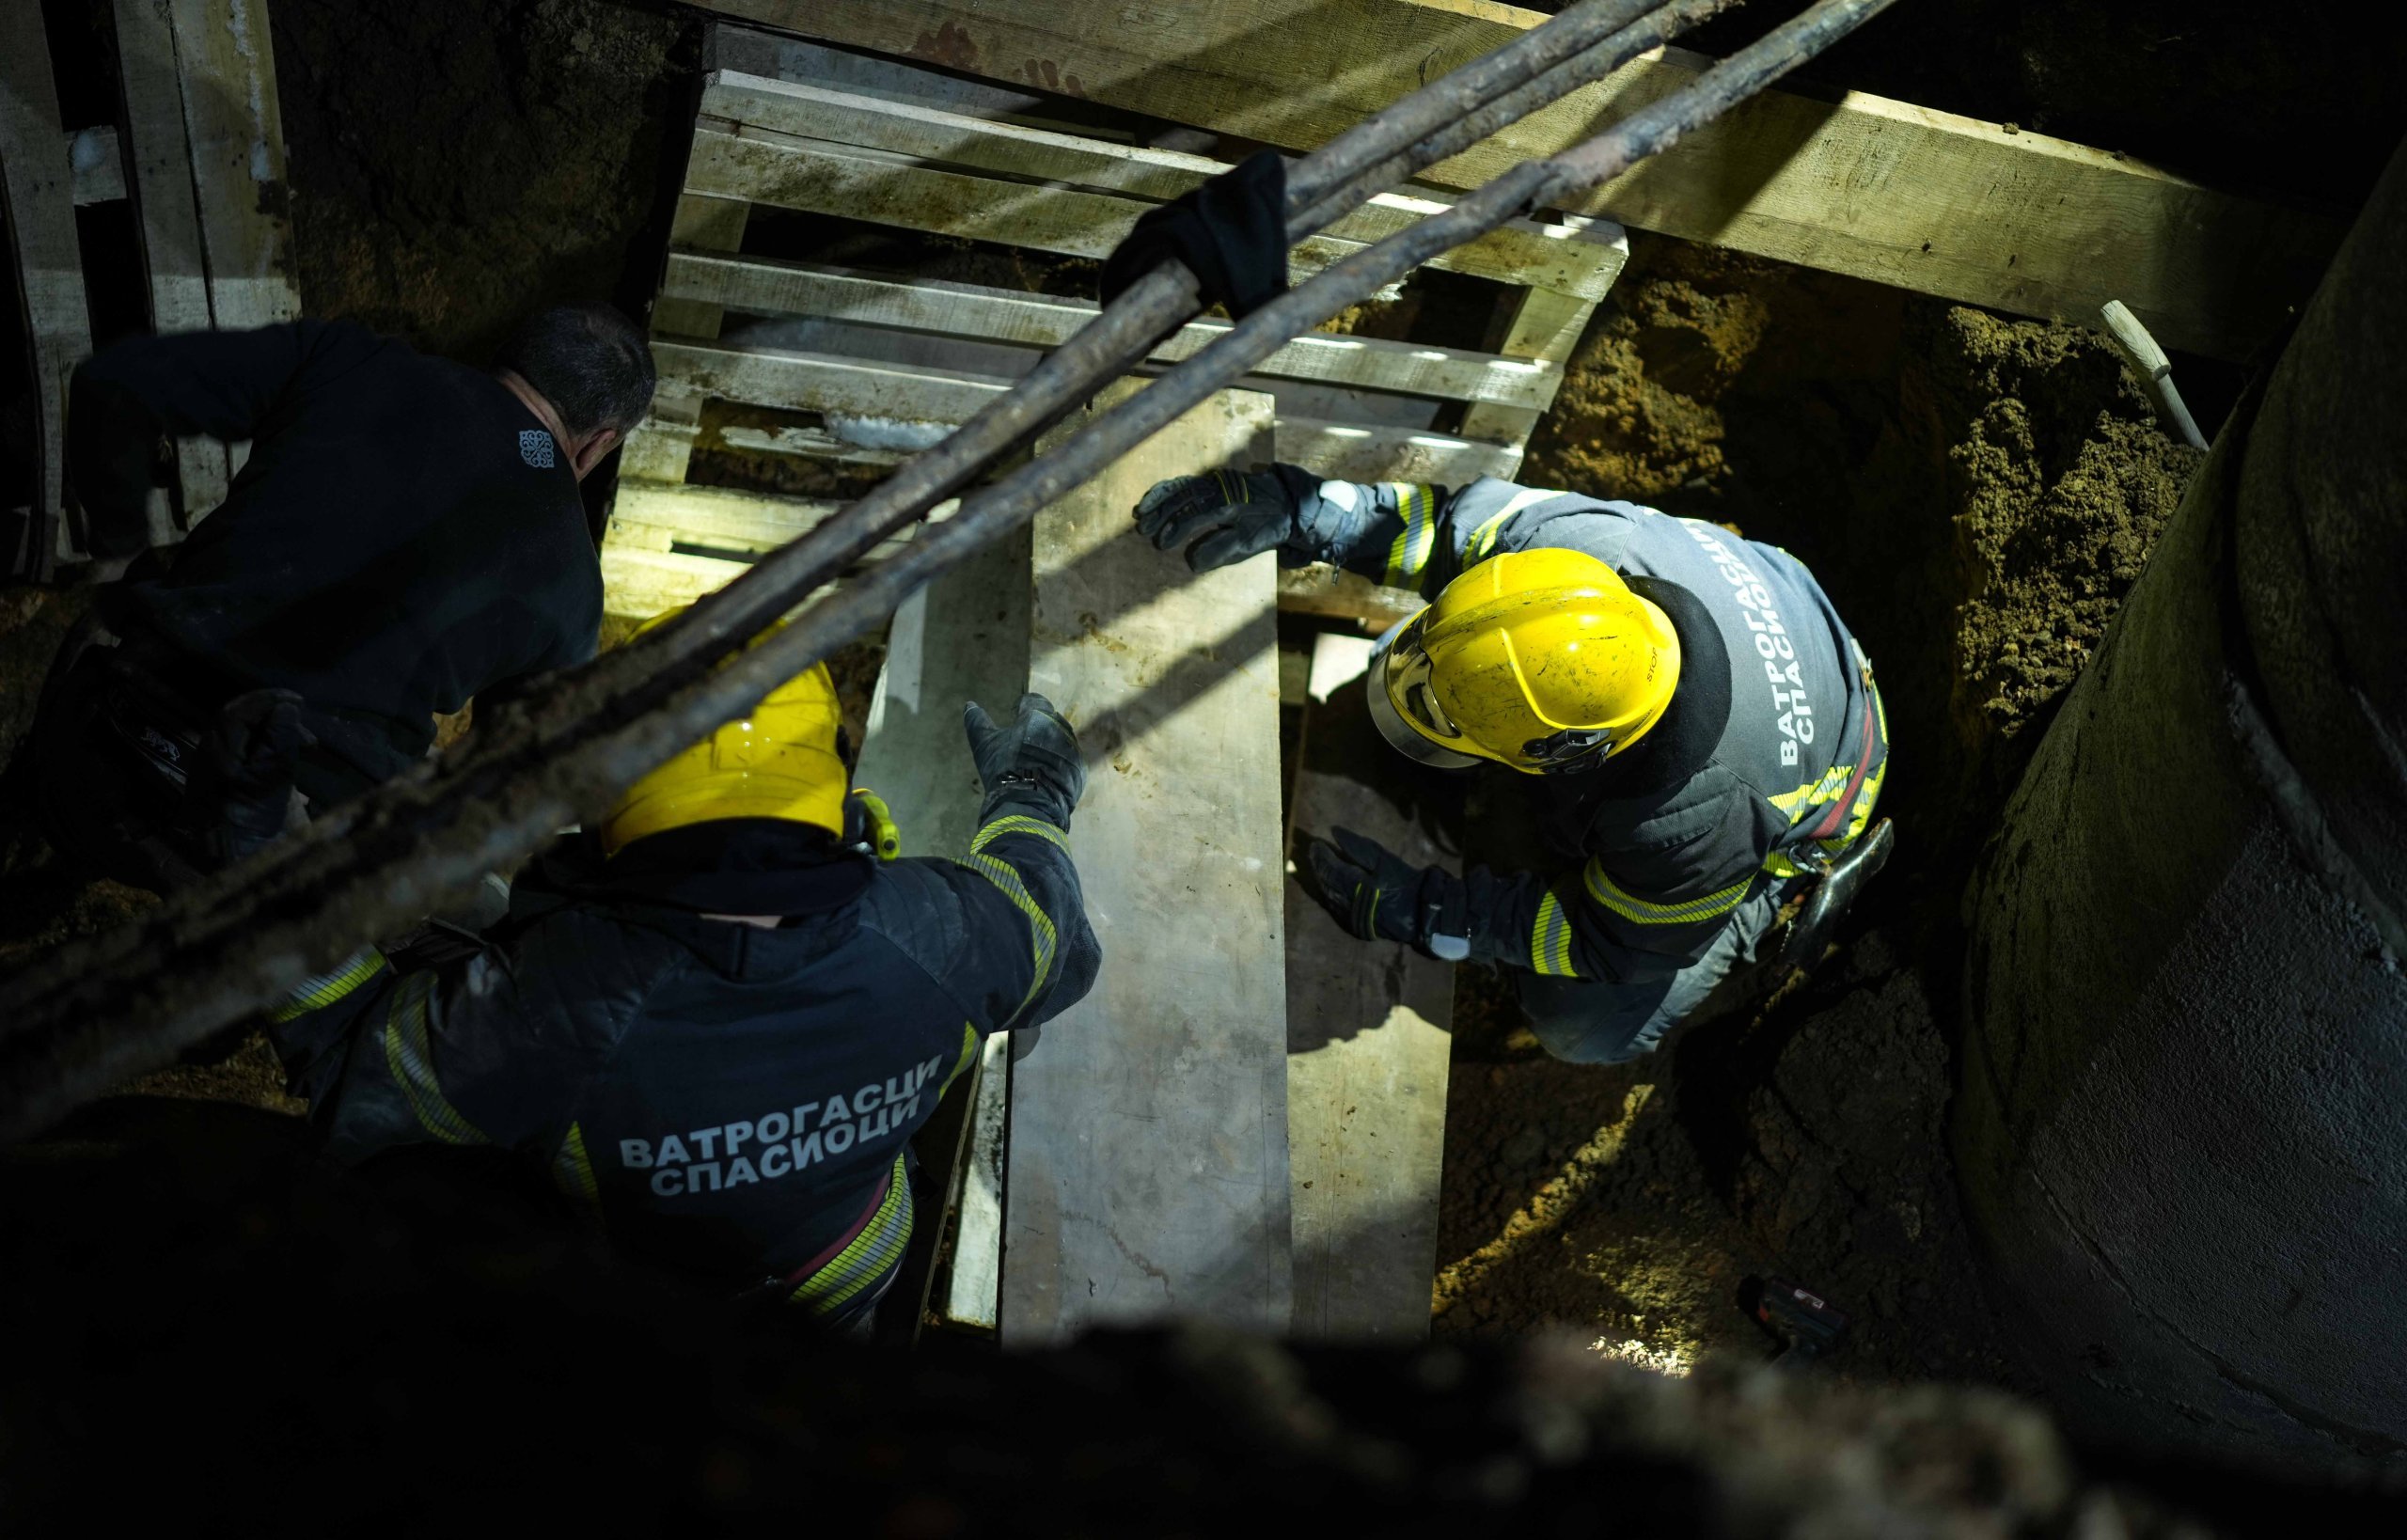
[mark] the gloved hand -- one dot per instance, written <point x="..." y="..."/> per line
<point x="1037" y="757"/>
<point x="240" y="793"/>
<point x="1377" y="894"/>
<point x="1219" y="518"/>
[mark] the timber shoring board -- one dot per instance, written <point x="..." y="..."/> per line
<point x="758" y="286"/>
<point x="1148" y="1138"/>
<point x="1875" y="189"/>
<point x="37" y="182"/>
<point x="229" y="68"/>
<point x="1368" y="1042"/>
<point x="1122" y="179"/>
<point x="963" y="638"/>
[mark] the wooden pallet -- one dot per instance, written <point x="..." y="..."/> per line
<point x="198" y="147"/>
<point x="875" y="358"/>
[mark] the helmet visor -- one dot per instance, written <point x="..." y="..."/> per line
<point x="1403" y="705"/>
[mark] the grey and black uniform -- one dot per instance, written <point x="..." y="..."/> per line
<point x="1767" y="762"/>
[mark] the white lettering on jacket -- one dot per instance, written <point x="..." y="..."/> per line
<point x="1791" y="707"/>
<point x="784" y="1141"/>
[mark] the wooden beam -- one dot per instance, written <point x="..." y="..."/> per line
<point x="94" y="162"/>
<point x="227" y="64"/>
<point x="1574" y="259"/>
<point x="963" y="638"/>
<point x="823" y="382"/>
<point x="716" y="517"/>
<point x="158" y="150"/>
<point x="1876" y="189"/>
<point x="38" y="187"/>
<point x="1368" y="1041"/>
<point x="1148" y="1139"/>
<point x="760" y="287"/>
<point x="1337" y="595"/>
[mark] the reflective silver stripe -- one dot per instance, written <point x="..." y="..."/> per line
<point x="1551" y="939"/>
<point x="1482" y="540"/>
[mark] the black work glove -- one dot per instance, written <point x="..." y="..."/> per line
<point x="1035" y="760"/>
<point x="1377" y="894"/>
<point x="241" y="797"/>
<point x="1219" y="518"/>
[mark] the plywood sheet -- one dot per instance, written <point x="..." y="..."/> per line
<point x="1148" y="1133"/>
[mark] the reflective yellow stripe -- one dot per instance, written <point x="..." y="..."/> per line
<point x="1017" y="823"/>
<point x="326" y="988"/>
<point x="874" y="1252"/>
<point x="1687" y="911"/>
<point x="968" y="1056"/>
<point x="406" y="1053"/>
<point x="573" y="1171"/>
<point x="1040" y="924"/>
<point x="1482" y="540"/>
<point x="1815" y="794"/>
<point x="1411" y="552"/>
<point x="1551" y="939"/>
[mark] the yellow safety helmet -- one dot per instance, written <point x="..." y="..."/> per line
<point x="781" y="762"/>
<point x="1543" y="660"/>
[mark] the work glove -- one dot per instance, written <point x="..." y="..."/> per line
<point x="1222" y="518"/>
<point x="1034" y="760"/>
<point x="241" y="796"/>
<point x="1377" y="894"/>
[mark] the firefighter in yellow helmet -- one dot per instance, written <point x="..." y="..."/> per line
<point x="717" y="1017"/>
<point x="1700" y="732"/>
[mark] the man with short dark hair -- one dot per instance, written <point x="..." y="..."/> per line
<point x="406" y="534"/>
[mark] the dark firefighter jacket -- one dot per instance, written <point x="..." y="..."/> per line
<point x="727" y="1100"/>
<point x="404" y="535"/>
<point x="1768" y="760"/>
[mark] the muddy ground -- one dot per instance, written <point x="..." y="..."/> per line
<point x="1975" y="493"/>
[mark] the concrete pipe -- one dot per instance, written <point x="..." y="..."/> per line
<point x="2181" y="1125"/>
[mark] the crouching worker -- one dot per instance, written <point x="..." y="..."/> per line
<point x="719" y="1018"/>
<point x="1698" y="729"/>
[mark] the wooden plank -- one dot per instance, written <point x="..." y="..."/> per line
<point x="1572" y="259"/>
<point x="1322" y="590"/>
<point x="1544" y="328"/>
<point x="702" y="224"/>
<point x="158" y="150"/>
<point x="760" y="287"/>
<point x="1346" y="452"/>
<point x="963" y="638"/>
<point x="227" y="64"/>
<point x="1368" y="1042"/>
<point x="1148" y="1138"/>
<point x="718" y="517"/>
<point x="94" y="162"/>
<point x="641" y="583"/>
<point x="1872" y="188"/>
<point x="818" y="176"/>
<point x="37" y="185"/>
<point x="813" y="381"/>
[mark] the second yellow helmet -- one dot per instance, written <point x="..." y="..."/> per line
<point x="1543" y="660"/>
<point x="781" y="762"/>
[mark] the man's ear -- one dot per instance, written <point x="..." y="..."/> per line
<point x="592" y="449"/>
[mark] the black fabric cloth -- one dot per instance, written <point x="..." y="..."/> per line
<point x="724" y="1098"/>
<point x="405" y="536"/>
<point x="730" y="865"/>
<point x="1230" y="233"/>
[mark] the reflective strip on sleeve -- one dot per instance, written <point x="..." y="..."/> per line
<point x="1410" y="551"/>
<point x="1482" y="540"/>
<point x="327" y="988"/>
<point x="1551" y="939"/>
<point x="408" y="1056"/>
<point x="1017" y="823"/>
<point x="573" y="1171"/>
<point x="875" y="1251"/>
<point x="969" y="1057"/>
<point x="1645" y="912"/>
<point x="1040" y="924"/>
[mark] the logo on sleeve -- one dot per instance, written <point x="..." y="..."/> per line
<point x="535" y="448"/>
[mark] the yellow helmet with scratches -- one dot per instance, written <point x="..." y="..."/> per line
<point x="1544" y="660"/>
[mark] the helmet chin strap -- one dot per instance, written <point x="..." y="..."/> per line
<point x="1569" y="752"/>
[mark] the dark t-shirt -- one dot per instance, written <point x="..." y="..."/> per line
<point x="405" y="534"/>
